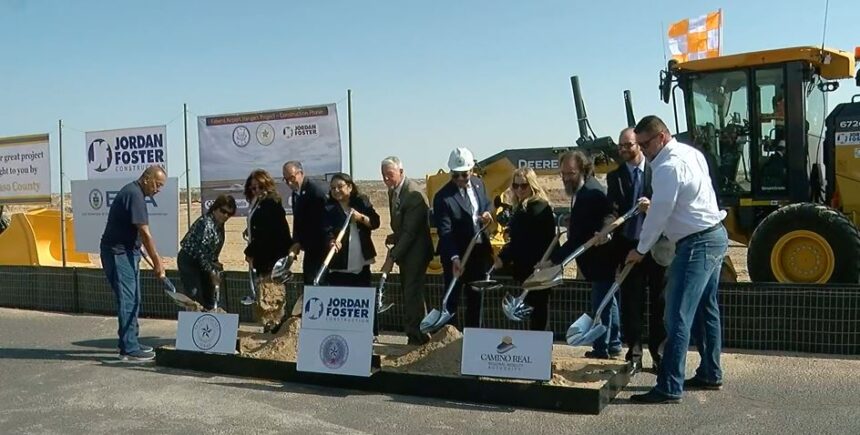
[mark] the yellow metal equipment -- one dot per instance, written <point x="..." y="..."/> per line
<point x="787" y="172"/>
<point x="33" y="239"/>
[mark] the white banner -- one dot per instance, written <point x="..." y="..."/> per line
<point x="207" y="332"/>
<point x="125" y="153"/>
<point x="231" y="146"/>
<point x="339" y="308"/>
<point x="25" y="169"/>
<point x="336" y="352"/>
<point x="91" y="201"/>
<point x="505" y="353"/>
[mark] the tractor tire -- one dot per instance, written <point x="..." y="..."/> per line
<point x="805" y="243"/>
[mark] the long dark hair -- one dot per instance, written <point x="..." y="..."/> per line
<point x="348" y="180"/>
<point x="221" y="201"/>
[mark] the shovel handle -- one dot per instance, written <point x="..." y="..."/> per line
<point x="615" y="286"/>
<point x="471" y="246"/>
<point x="610" y="227"/>
<point x="330" y="254"/>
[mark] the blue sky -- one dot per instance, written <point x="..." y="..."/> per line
<point x="426" y="76"/>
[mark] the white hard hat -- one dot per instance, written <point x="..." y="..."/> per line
<point x="461" y="160"/>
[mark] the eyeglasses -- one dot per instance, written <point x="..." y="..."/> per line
<point x="342" y="186"/>
<point x="627" y="145"/>
<point x="569" y="174"/>
<point x="647" y="143"/>
<point x="516" y="186"/>
<point x="457" y="174"/>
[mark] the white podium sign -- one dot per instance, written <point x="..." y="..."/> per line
<point x="505" y="353"/>
<point x="207" y="332"/>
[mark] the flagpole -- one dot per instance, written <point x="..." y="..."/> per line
<point x="62" y="201"/>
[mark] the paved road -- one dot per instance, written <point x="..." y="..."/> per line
<point x="59" y="374"/>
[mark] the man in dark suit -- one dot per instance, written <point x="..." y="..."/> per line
<point x="626" y="184"/>
<point x="309" y="235"/>
<point x="460" y="210"/>
<point x="412" y="246"/>
<point x="590" y="210"/>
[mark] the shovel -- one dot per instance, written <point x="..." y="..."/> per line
<point x="486" y="284"/>
<point x="515" y="308"/>
<point x="436" y="319"/>
<point x="380" y="291"/>
<point x="297" y="307"/>
<point x="281" y="271"/>
<point x="252" y="285"/>
<point x="552" y="276"/>
<point x="585" y="329"/>
<point x="179" y="298"/>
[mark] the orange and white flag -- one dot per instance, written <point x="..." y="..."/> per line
<point x="696" y="38"/>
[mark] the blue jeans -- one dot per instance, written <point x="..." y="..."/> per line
<point x="611" y="340"/>
<point x="123" y="274"/>
<point x="692" y="310"/>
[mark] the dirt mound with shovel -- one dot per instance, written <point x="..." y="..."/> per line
<point x="283" y="346"/>
<point x="440" y="356"/>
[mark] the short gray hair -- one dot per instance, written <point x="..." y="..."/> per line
<point x="294" y="163"/>
<point x="392" y="161"/>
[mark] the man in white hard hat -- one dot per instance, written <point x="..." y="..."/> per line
<point x="460" y="210"/>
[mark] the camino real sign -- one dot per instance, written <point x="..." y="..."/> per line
<point x="337" y="330"/>
<point x="91" y="201"/>
<point x="125" y="153"/>
<point x="505" y="353"/>
<point x="207" y="332"/>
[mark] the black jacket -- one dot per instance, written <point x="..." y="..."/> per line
<point x="334" y="219"/>
<point x="268" y="235"/>
<point x="308" y="217"/>
<point x="531" y="230"/>
<point x="454" y="223"/>
<point x="587" y="217"/>
<point x="620" y="194"/>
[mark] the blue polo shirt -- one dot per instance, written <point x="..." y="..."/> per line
<point x="127" y="211"/>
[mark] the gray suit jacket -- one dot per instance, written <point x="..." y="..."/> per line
<point x="410" y="224"/>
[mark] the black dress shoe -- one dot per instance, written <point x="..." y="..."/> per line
<point x="653" y="398"/>
<point x="698" y="384"/>
<point x="596" y="355"/>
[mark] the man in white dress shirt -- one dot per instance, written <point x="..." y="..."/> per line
<point x="684" y="209"/>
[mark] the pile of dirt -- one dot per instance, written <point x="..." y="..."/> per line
<point x="283" y="346"/>
<point x="440" y="356"/>
<point x="271" y="299"/>
<point x="583" y="373"/>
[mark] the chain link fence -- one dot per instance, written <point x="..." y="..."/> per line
<point x="818" y="319"/>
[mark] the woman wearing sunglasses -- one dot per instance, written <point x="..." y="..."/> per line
<point x="199" y="268"/>
<point x="531" y="230"/>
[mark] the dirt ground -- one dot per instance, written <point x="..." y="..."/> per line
<point x="233" y="258"/>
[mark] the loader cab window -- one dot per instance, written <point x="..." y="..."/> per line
<point x="771" y="155"/>
<point x="719" y="107"/>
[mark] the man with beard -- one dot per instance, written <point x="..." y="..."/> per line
<point x="625" y="186"/>
<point x="590" y="210"/>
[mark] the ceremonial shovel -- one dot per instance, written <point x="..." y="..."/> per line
<point x="386" y="269"/>
<point x="179" y="298"/>
<point x="515" y="309"/>
<point x="585" y="329"/>
<point x="436" y="319"/>
<point x="552" y="276"/>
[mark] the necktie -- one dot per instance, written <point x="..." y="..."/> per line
<point x="636" y="223"/>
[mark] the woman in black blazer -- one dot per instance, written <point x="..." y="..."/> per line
<point x="268" y="231"/>
<point x="531" y="230"/>
<point x="350" y="266"/>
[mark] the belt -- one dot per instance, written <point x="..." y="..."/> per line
<point x="716" y="226"/>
